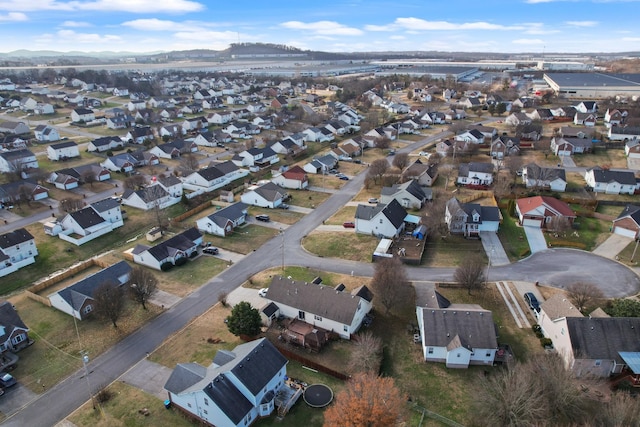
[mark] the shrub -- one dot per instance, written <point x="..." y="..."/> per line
<point x="536" y="328"/>
<point x="546" y="342"/>
<point x="181" y="261"/>
<point x="104" y="395"/>
<point x="166" y="266"/>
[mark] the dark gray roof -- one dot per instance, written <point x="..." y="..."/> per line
<point x="105" y="204"/>
<point x="148" y="194"/>
<point x="412" y="187"/>
<point x="395" y="213"/>
<point x="257" y="364"/>
<point x="603" y="338"/>
<point x="466" y="169"/>
<point x="270" y="192"/>
<point x="223" y="357"/>
<point x="632" y="212"/>
<point x="179" y="242"/>
<point x="320" y="300"/>
<point x="270" y="309"/>
<point x="17" y="154"/>
<point x="229" y="213"/>
<point x="15" y="237"/>
<point x="592" y="79"/>
<point x="105" y="140"/>
<point x="75" y="294"/>
<point x="87" y="217"/>
<point x="468" y="328"/>
<point x="622" y="177"/>
<point x="487" y="213"/>
<point x="223" y="392"/>
<point x="10" y="320"/>
<point x="548" y="174"/>
<point x="169" y="181"/>
<point x="367" y="212"/>
<point x="210" y="173"/>
<point x="64" y="144"/>
<point x="184" y="376"/>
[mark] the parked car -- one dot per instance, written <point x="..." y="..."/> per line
<point x="531" y="299"/>
<point x="373" y="200"/>
<point x="283" y="206"/>
<point x="344" y="178"/>
<point x="7" y="380"/>
<point x="348" y="224"/>
<point x="263" y="218"/>
<point x="211" y="250"/>
<point x="263" y="292"/>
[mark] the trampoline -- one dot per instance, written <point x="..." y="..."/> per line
<point x="318" y="395"/>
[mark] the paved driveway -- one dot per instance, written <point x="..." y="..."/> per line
<point x="611" y="247"/>
<point x="567" y="161"/>
<point x="633" y="163"/>
<point x="536" y="240"/>
<point x="493" y="247"/>
<point x="246" y="294"/>
<point x="148" y="376"/>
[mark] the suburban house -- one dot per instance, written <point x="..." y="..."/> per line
<point x="14" y="128"/>
<point x="609" y="181"/>
<point x="105" y="143"/>
<point x="224" y="221"/>
<point x="457" y="335"/>
<point x="66" y="179"/>
<point x="614" y="117"/>
<point x="258" y="157"/>
<point x="424" y="173"/>
<point x="576" y="132"/>
<point x="294" y="178"/>
<point x="552" y="316"/>
<point x="25" y="189"/>
<point x="599" y="346"/>
<point x="77" y="299"/>
<point x="14" y="334"/>
<point x="628" y="222"/>
<point x="18" y="161"/>
<point x="585" y="119"/>
<point x="623" y="133"/>
<point x="503" y="146"/>
<point x="449" y="147"/>
<point x="63" y="151"/>
<point x="44" y="133"/>
<point x="174" y="149"/>
<point x="17" y="249"/>
<point x="88" y="223"/>
<point x="475" y="173"/>
<point x="563" y="146"/>
<point x="238" y="387"/>
<point x="515" y="119"/>
<point x="474" y="136"/>
<point x="268" y="195"/>
<point x="82" y="115"/>
<point x="469" y="219"/>
<point x="179" y="246"/>
<point x="321" y="306"/>
<point x="213" y="177"/>
<point x="123" y="162"/>
<point x="321" y="165"/>
<point x="409" y="194"/>
<point x="632" y="148"/>
<point x="587" y="107"/>
<point x="538" y="177"/>
<point x="383" y="220"/>
<point x="140" y="134"/>
<point x="538" y="211"/>
<point x="154" y="195"/>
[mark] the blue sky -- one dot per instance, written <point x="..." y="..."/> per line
<point x="332" y="25"/>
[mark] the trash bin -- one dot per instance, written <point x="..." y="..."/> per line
<point x="167" y="404"/>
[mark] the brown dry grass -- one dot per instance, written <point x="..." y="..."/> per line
<point x="346" y="213"/>
<point x="263" y="279"/>
<point x="353" y="247"/>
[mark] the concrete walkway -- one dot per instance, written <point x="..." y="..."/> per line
<point x="494" y="249"/>
<point x="535" y="237"/>
<point x="611" y="247"/>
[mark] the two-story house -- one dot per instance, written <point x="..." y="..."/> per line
<point x="475" y="173"/>
<point x="17" y="249"/>
<point x="609" y="181"/>
<point x="63" y="151"/>
<point x="469" y="219"/>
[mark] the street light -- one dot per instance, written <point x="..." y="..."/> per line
<point x="282" y="245"/>
<point x="85" y="361"/>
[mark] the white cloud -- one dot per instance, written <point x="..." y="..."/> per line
<point x="66" y="37"/>
<point x="154" y="24"/>
<point x="329" y="28"/>
<point x="398" y="38"/>
<point x="582" y="23"/>
<point x="527" y="41"/>
<point x="133" y="6"/>
<point x="75" y="24"/>
<point x="417" y="24"/>
<point x="13" y="17"/>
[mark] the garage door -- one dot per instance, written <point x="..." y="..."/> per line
<point x="532" y="223"/>
<point x="624" y="232"/>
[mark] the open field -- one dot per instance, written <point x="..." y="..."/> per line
<point x="346" y="213"/>
<point x="450" y="251"/>
<point x="353" y="247"/>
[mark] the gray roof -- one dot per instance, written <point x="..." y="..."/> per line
<point x="412" y="187"/>
<point x="105" y="204"/>
<point x="622" y="177"/>
<point x="147" y="194"/>
<point x="226" y="396"/>
<point x="632" y="212"/>
<point x="593" y="79"/>
<point x="467" y="328"/>
<point x="64" y="144"/>
<point x="180" y="242"/>
<point x="270" y="192"/>
<point x="184" y="376"/>
<point x="466" y="169"/>
<point x="10" y="320"/>
<point x="229" y="213"/>
<point x="320" y="300"/>
<point x="87" y="217"/>
<point x="603" y="338"/>
<point x="549" y="174"/>
<point x="559" y="306"/>
<point x="15" y="237"/>
<point x="210" y="173"/>
<point x="75" y="294"/>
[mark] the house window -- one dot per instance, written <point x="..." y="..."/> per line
<point x="301" y="315"/>
<point x="189" y="405"/>
<point x="206" y="401"/>
<point x="458" y="355"/>
<point x="345" y="328"/>
<point x="87" y="309"/>
<point x="488" y="353"/>
<point x="18" y="339"/>
<point x="430" y="351"/>
<point x="380" y="220"/>
<point x="205" y="411"/>
<point x="318" y="318"/>
<point x="598" y="362"/>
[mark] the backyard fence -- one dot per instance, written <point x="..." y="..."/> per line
<point x="310" y="363"/>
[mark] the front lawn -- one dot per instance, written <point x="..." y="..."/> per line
<point x="345" y="214"/>
<point x="512" y="237"/>
<point x="450" y="251"/>
<point x="587" y="234"/>
<point x="349" y="246"/>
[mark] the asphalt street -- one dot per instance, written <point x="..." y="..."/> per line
<point x="557" y="267"/>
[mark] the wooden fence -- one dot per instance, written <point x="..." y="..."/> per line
<point x="310" y="363"/>
<point x="478" y="195"/>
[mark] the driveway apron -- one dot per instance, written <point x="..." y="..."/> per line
<point x="536" y="240"/>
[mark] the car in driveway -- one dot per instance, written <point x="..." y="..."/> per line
<point x="532" y="301"/>
<point x="349" y="224"/>
<point x="7" y="380"/>
<point x="344" y="178"/>
<point x="263" y="292"/>
<point x="263" y="218"/>
<point x="373" y="200"/>
<point x="211" y="250"/>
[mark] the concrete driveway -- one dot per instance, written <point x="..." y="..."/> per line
<point x="567" y="161"/>
<point x="611" y="247"/>
<point x="493" y="247"/>
<point x="149" y="377"/>
<point x="536" y="240"/>
<point x="246" y="294"/>
<point x="15" y="398"/>
<point x="633" y="163"/>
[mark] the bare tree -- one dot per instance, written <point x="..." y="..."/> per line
<point x="471" y="274"/>
<point x="143" y="285"/>
<point x="88" y="177"/>
<point x="390" y="284"/>
<point x="401" y="161"/>
<point x="501" y="186"/>
<point x="377" y="168"/>
<point x="71" y="204"/>
<point x="382" y="142"/>
<point x="134" y="182"/>
<point x="109" y="302"/>
<point x="434" y="215"/>
<point x="157" y="194"/>
<point x="367" y="353"/>
<point x="621" y="410"/>
<point x="514" y="165"/>
<point x="189" y="163"/>
<point x="24" y="194"/>
<point x="585" y="295"/>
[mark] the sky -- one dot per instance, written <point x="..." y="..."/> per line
<point x="537" y="26"/>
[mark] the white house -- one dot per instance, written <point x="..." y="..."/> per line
<point x="409" y="194"/>
<point x="268" y="195"/>
<point x="380" y="220"/>
<point x="222" y="222"/>
<point x="17" y="249"/>
<point x="294" y="178"/>
<point x="321" y="306"/>
<point x="63" y="151"/>
<point x="82" y="115"/>
<point x="77" y="299"/>
<point x="475" y="173"/>
<point x="105" y="143"/>
<point x="213" y="177"/>
<point x="150" y="197"/>
<point x="610" y="182"/>
<point x="535" y="176"/>
<point x="46" y="133"/>
<point x="239" y="387"/>
<point x="89" y="223"/>
<point x="17" y="161"/>
<point x="179" y="246"/>
<point x="469" y="219"/>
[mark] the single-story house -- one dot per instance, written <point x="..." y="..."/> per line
<point x="268" y="195"/>
<point x="223" y="221"/>
<point x="409" y="194"/>
<point x="294" y="178"/>
<point x="475" y="173"/>
<point x="538" y="177"/>
<point x="179" y="246"/>
<point x="14" y="334"/>
<point x="610" y="181"/>
<point x="538" y="211"/>
<point x="424" y="173"/>
<point x="628" y="222"/>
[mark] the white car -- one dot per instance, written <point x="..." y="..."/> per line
<point x="424" y="153"/>
<point x="263" y="292"/>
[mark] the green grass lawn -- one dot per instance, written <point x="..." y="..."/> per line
<point x="588" y="234"/>
<point x="512" y="237"/>
<point x="350" y="246"/>
<point x="450" y="251"/>
<point x="244" y="239"/>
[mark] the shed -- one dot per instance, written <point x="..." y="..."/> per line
<point x="420" y="232"/>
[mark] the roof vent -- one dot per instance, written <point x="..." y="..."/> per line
<point x="467" y="313"/>
<point x="447" y="334"/>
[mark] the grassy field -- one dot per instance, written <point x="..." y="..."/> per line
<point x="307" y="199"/>
<point x="450" y="251"/>
<point x="603" y="158"/>
<point x="512" y="237"/>
<point x="589" y="233"/>
<point x="284" y="216"/>
<point x="306" y="274"/>
<point x="349" y="246"/>
<point x="346" y="213"/>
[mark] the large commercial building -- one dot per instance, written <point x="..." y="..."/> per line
<point x="594" y="85"/>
